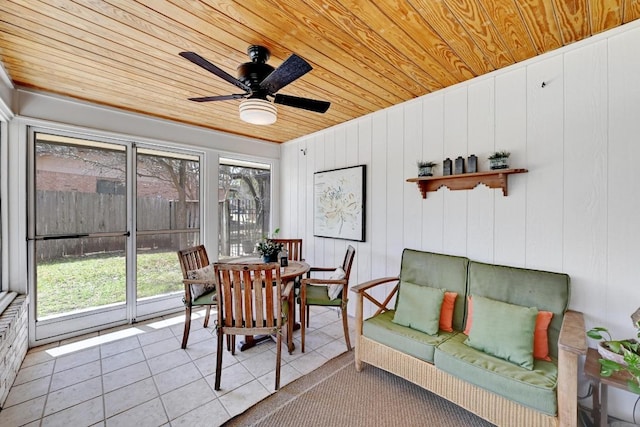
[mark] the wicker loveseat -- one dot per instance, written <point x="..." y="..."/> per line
<point x="533" y="393"/>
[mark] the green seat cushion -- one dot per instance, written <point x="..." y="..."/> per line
<point x="382" y="329"/>
<point x="503" y="330"/>
<point x="317" y="295"/>
<point x="534" y="388"/>
<point x="205" y="299"/>
<point x="419" y="307"/>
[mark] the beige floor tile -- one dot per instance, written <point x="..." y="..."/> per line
<point x="161" y="347"/>
<point x="75" y="375"/>
<point x="125" y="376"/>
<point x="72" y="395"/>
<point x="210" y="414"/>
<point x="287" y="374"/>
<point x="83" y="414"/>
<point x="127" y="397"/>
<point x="22" y="413"/>
<point x="167" y="361"/>
<point x="119" y="346"/>
<point x="154" y="336"/>
<point x="148" y="414"/>
<point x="36" y="357"/>
<point x="238" y="400"/>
<point x="232" y="377"/>
<point x="177" y="377"/>
<point x="188" y="398"/>
<point x="121" y="360"/>
<point x="34" y="372"/>
<point x="27" y="391"/>
<point x="311" y="361"/>
<point x="77" y="358"/>
<point x="196" y="350"/>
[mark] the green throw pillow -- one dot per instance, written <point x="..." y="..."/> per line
<point x="503" y="330"/>
<point x="419" y="307"/>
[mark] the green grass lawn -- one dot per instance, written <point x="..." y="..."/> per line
<point x="92" y="281"/>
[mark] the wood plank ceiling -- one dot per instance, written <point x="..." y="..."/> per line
<point x="366" y="55"/>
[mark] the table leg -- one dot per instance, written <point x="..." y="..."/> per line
<point x="604" y="410"/>
<point x="595" y="403"/>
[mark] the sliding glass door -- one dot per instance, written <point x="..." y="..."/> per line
<point x="168" y="219"/>
<point x="105" y="221"/>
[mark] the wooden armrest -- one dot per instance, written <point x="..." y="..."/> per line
<point x="287" y="290"/>
<point x="573" y="337"/>
<point x="199" y="282"/>
<point x="372" y="283"/>
<point x="323" y="281"/>
<point x="322" y="269"/>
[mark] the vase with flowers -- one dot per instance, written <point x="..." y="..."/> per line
<point x="269" y="249"/>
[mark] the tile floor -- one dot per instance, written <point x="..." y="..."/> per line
<point x="138" y="375"/>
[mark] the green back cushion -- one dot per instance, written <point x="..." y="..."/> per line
<point x="503" y="330"/>
<point x="418" y="307"/>
<point x="437" y="271"/>
<point x="529" y="288"/>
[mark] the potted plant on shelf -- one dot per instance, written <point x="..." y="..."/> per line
<point x="426" y="168"/>
<point x="499" y="160"/>
<point x="269" y="249"/>
<point x="619" y="355"/>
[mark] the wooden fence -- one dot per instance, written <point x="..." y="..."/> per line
<point x="75" y="213"/>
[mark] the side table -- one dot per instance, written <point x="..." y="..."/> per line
<point x="600" y="386"/>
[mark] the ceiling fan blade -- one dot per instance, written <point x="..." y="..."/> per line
<point x="199" y="60"/>
<point x="304" y="103"/>
<point x="291" y="69"/>
<point x="219" y="97"/>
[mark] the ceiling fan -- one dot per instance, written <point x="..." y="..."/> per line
<point x="261" y="81"/>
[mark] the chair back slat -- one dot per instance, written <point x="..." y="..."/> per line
<point x="348" y="261"/>
<point x="293" y="246"/>
<point x="192" y="259"/>
<point x="247" y="300"/>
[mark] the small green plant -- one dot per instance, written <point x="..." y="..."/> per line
<point x="267" y="247"/>
<point x="499" y="155"/>
<point x="628" y="348"/>
<point x="426" y="164"/>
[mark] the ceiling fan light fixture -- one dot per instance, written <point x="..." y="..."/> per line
<point x="258" y="111"/>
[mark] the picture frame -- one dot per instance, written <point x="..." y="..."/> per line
<point x="339" y="197"/>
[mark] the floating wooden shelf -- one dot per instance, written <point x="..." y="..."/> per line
<point x="465" y="181"/>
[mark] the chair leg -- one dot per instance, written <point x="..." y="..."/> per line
<point x="206" y="316"/>
<point x="345" y="326"/>
<point x="219" y="359"/>
<point x="303" y="325"/>
<point x="278" y="356"/>
<point x="187" y="326"/>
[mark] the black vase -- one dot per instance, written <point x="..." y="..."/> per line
<point x="270" y="258"/>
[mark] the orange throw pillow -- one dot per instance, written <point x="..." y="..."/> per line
<point x="467" y="327"/>
<point x="540" y="336"/>
<point x="446" y="311"/>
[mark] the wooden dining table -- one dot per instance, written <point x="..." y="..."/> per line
<point x="287" y="274"/>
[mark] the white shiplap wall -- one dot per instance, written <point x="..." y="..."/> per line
<point x="576" y="211"/>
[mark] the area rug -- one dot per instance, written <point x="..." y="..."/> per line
<point x="336" y="395"/>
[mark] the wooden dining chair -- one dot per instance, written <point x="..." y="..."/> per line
<point x="293" y="246"/>
<point x="330" y="292"/>
<point x="199" y="285"/>
<point x="247" y="307"/>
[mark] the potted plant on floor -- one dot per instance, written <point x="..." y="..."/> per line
<point x="619" y="355"/>
<point x="426" y="168"/>
<point x="499" y="160"/>
<point x="269" y="249"/>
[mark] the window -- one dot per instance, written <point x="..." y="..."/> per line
<point x="244" y="205"/>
